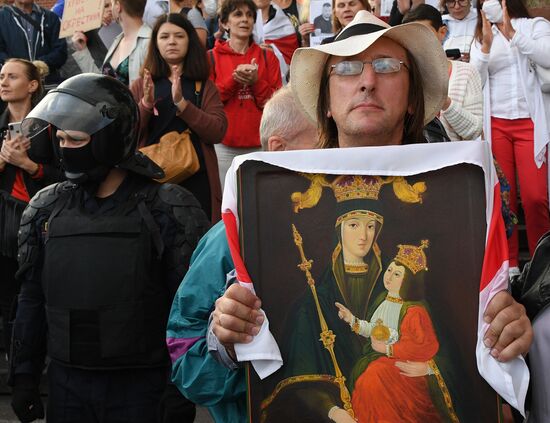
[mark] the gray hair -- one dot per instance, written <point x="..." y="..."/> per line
<point x="282" y="117"/>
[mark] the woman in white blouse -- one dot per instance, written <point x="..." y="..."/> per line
<point x="507" y="48"/>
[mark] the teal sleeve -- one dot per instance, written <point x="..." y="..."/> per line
<point x="194" y="370"/>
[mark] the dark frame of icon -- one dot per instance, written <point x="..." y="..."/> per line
<point x="451" y="216"/>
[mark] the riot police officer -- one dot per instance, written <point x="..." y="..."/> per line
<point x="101" y="256"/>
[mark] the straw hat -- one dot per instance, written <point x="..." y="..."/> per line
<point x="308" y="64"/>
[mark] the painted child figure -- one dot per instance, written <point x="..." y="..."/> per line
<point x="400" y="329"/>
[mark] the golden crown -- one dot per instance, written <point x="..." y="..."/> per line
<point x="413" y="257"/>
<point x="353" y="187"/>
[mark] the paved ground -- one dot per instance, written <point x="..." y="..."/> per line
<point x="6" y="415"/>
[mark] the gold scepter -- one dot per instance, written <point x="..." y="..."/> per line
<point x="327" y="336"/>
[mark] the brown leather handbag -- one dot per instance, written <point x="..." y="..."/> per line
<point x="175" y="154"/>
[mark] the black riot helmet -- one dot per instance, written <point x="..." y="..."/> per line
<point x="101" y="107"/>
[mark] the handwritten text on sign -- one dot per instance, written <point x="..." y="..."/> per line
<point x="81" y="15"/>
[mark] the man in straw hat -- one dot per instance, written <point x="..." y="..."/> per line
<point x="375" y="85"/>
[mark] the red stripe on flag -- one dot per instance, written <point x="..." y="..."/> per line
<point x="496" y="247"/>
<point x="286" y="45"/>
<point x="234" y="246"/>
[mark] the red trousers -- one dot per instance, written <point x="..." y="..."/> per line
<point x="512" y="142"/>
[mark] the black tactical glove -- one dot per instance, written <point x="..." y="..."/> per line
<point x="25" y="400"/>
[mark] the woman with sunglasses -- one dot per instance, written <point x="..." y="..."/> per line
<point x="461" y="24"/>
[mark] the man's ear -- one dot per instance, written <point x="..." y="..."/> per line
<point x="276" y="143"/>
<point x="442" y="33"/>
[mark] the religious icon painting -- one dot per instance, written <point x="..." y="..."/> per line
<point x="374" y="266"/>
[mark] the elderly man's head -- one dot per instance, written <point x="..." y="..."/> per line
<point x="284" y="126"/>
<point x="374" y="85"/>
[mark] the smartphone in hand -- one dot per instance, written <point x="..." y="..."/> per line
<point x="14" y="129"/>
<point x="453" y="53"/>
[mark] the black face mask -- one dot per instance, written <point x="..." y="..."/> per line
<point x="81" y="167"/>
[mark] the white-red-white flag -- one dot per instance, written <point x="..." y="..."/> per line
<point x="510" y="380"/>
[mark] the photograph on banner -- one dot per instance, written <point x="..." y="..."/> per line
<point x="372" y="286"/>
<point x="81" y="15"/>
<point x="320" y="15"/>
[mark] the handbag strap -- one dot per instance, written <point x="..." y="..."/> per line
<point x="198" y="93"/>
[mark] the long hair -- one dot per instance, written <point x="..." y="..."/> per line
<point x="195" y="63"/>
<point x="34" y="72"/>
<point x="328" y="132"/>
<point x="516" y="9"/>
<point x="413" y="123"/>
<point x="336" y="25"/>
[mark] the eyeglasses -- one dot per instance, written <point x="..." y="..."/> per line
<point x="355" y="67"/>
<point x="452" y="3"/>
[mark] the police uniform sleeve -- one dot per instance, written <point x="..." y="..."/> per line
<point x="28" y="348"/>
<point x="195" y="371"/>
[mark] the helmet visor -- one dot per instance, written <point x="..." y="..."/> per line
<point x="68" y="111"/>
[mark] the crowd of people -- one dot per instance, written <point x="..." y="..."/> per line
<point x="94" y="190"/>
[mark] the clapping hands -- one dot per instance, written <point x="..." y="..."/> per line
<point x="246" y="74"/>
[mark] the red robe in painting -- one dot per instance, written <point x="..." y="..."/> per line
<point x="382" y="394"/>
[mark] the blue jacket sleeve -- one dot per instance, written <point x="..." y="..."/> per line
<point x="4" y="40"/>
<point x="56" y="55"/>
<point x="194" y="370"/>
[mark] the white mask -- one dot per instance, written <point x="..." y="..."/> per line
<point x="210" y="7"/>
<point x="492" y="10"/>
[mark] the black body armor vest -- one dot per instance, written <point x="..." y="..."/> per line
<point x="106" y="303"/>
